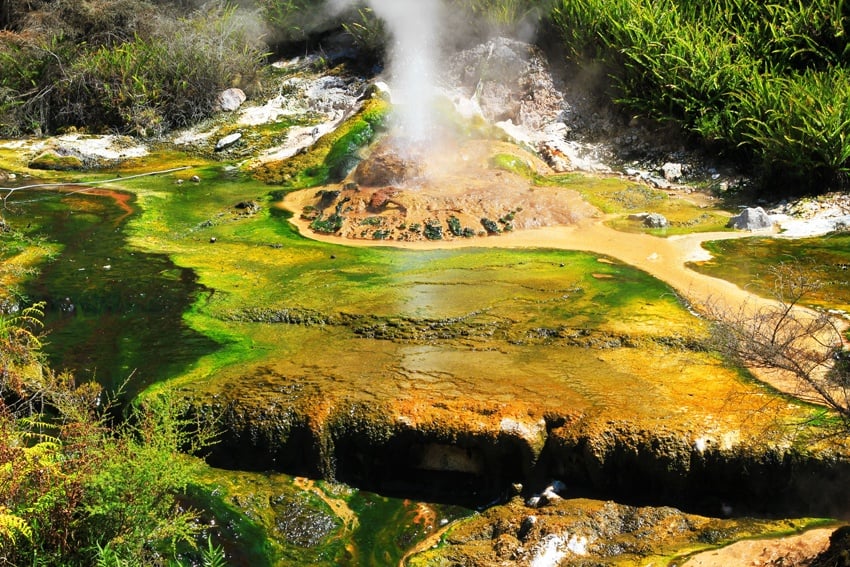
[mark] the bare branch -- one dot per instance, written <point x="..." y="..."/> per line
<point x="807" y="344"/>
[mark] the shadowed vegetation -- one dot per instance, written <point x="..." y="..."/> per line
<point x="77" y="489"/>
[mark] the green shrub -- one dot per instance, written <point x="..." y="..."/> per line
<point x="30" y="68"/>
<point x="763" y="80"/>
<point x="73" y="490"/>
<point x="295" y="20"/>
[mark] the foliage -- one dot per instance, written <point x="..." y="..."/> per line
<point x="73" y="489"/>
<point x="785" y="336"/>
<point x="765" y="80"/>
<point x="368" y="33"/>
<point x="144" y="74"/>
<point x="296" y="20"/>
<point x="502" y="17"/>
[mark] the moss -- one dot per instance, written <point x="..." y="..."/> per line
<point x="328" y="225"/>
<point x="372" y="221"/>
<point x="513" y="164"/>
<point x="55" y="162"/>
<point x="490" y="226"/>
<point x="333" y="156"/>
<point x="433" y="230"/>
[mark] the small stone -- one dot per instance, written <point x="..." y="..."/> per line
<point x="195" y="179"/>
<point x="672" y="171"/>
<point x="231" y="99"/>
<point x="213" y="239"/>
<point x="228" y="141"/>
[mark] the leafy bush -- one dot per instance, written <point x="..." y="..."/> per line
<point x="296" y="20"/>
<point x="760" y="79"/>
<point x="73" y="490"/>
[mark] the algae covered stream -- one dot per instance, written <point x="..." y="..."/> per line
<point x="211" y="291"/>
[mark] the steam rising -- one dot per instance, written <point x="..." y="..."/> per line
<point x="413" y="26"/>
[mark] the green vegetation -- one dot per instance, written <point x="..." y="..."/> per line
<point x="119" y="64"/>
<point x="333" y="156"/>
<point x="76" y="490"/>
<point x="750" y="263"/>
<point x="764" y="80"/>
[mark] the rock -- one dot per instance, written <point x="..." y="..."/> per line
<point x="672" y="171"/>
<point x="381" y="198"/>
<point x="655" y="220"/>
<point x="195" y="179"/>
<point x="327" y="197"/>
<point x="751" y="218"/>
<point x="248" y="207"/>
<point x="54" y="161"/>
<point x="231" y="99"/>
<point x="508" y="80"/>
<point x="838" y="553"/>
<point x="386" y="167"/>
<point x="228" y="141"/>
<point x="556" y="158"/>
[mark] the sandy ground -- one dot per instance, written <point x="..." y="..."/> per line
<point x="793" y="551"/>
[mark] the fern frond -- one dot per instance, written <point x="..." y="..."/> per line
<point x="12" y="526"/>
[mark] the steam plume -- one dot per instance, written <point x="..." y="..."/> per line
<point x="413" y="26"/>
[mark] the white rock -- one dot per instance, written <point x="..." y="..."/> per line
<point x="228" y="141"/>
<point x="672" y="171"/>
<point x="231" y="99"/>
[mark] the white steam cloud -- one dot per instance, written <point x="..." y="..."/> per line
<point x="414" y="50"/>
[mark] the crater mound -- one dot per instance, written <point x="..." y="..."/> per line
<point x="463" y="190"/>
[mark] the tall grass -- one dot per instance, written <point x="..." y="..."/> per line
<point x="764" y="80"/>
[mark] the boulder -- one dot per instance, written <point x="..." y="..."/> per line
<point x="751" y="218"/>
<point x="508" y="80"/>
<point x="231" y="99"/>
<point x="386" y="168"/>
<point x="655" y="220"/>
<point x="672" y="171"/>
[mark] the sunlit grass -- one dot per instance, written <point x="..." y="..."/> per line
<point x="765" y="80"/>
